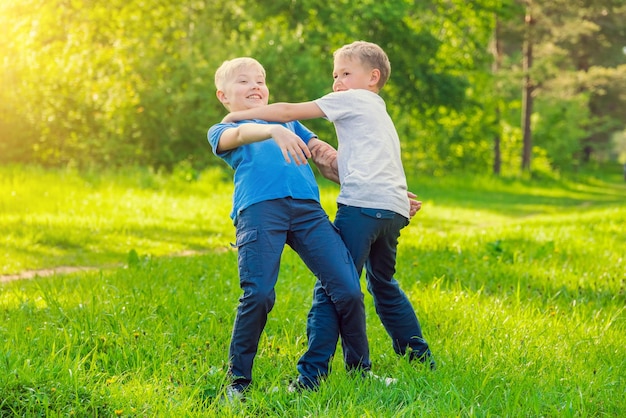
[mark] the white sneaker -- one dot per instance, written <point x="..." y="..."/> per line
<point x="386" y="380"/>
<point x="233" y="394"/>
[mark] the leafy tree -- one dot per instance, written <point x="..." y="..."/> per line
<point x="577" y="62"/>
<point x="111" y="82"/>
<point x="131" y="82"/>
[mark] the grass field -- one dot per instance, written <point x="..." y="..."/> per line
<point x="519" y="286"/>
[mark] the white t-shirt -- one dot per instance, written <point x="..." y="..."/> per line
<point x="369" y="157"/>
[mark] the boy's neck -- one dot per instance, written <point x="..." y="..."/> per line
<point x="374" y="90"/>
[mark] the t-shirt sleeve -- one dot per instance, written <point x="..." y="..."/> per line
<point x="335" y="105"/>
<point x="214" y="135"/>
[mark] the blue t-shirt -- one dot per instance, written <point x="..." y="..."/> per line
<point x="261" y="172"/>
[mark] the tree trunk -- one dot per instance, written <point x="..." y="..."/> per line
<point x="497" y="153"/>
<point x="527" y="91"/>
<point x="497" y="57"/>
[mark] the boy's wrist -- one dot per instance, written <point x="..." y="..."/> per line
<point x="272" y="128"/>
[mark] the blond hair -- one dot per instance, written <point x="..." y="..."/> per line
<point x="229" y="68"/>
<point x="370" y="55"/>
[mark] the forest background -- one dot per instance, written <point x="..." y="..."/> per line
<point x="503" y="86"/>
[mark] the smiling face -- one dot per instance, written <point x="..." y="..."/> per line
<point x="349" y="73"/>
<point x="244" y="88"/>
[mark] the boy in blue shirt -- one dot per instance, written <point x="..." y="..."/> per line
<point x="276" y="202"/>
<point x="372" y="202"/>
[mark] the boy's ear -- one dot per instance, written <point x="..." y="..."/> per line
<point x="374" y="76"/>
<point x="221" y="97"/>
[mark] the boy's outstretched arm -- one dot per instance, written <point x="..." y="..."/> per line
<point x="290" y="144"/>
<point x="325" y="158"/>
<point x="278" y="112"/>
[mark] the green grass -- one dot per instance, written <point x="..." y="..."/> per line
<point x="519" y="286"/>
<point x="68" y="219"/>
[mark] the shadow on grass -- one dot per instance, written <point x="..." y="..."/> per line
<point x="84" y="247"/>
<point x="524" y="268"/>
<point x="518" y="198"/>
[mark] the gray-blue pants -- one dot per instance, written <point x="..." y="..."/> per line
<point x="371" y="236"/>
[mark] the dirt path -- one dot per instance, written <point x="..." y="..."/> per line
<point x="30" y="274"/>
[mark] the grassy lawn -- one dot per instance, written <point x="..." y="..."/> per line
<point x="519" y="287"/>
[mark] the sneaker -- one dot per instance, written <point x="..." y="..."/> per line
<point x="426" y="358"/>
<point x="297" y="386"/>
<point x="388" y="381"/>
<point x="234" y="393"/>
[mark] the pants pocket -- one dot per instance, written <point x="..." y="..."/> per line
<point x="248" y="256"/>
